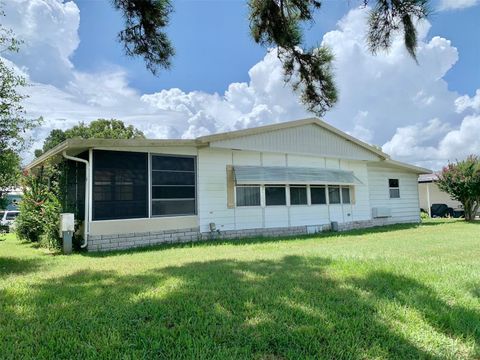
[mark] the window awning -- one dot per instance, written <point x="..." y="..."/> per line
<point x="245" y="175"/>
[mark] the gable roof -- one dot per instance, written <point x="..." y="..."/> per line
<point x="288" y="125"/>
<point x="76" y="145"/>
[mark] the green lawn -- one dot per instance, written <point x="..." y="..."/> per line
<point x="391" y="293"/>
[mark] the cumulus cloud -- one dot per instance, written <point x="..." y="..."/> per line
<point x="385" y="99"/>
<point x="49" y="30"/>
<point x="265" y="99"/>
<point x="455" y="144"/>
<point x="465" y="102"/>
<point x="457" y="4"/>
<point x="380" y="93"/>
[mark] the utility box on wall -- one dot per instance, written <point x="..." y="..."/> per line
<point x="381" y="212"/>
<point x="66" y="229"/>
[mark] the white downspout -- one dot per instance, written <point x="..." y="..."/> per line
<point x="87" y="185"/>
<point x="428" y="200"/>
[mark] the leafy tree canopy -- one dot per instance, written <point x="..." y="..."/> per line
<point x="281" y="24"/>
<point x="13" y="123"/>
<point x="462" y="181"/>
<point x="100" y="129"/>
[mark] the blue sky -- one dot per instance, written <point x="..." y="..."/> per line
<point x="214" y="49"/>
<point x="221" y="80"/>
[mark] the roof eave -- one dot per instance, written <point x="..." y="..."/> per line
<point x="415" y="169"/>
<point x="77" y="143"/>
<point x="48" y="155"/>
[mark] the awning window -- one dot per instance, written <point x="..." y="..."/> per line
<point x="292" y="175"/>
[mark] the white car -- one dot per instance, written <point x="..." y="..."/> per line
<point x="8" y="218"/>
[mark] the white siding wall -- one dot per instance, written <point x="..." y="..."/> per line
<point x="404" y="209"/>
<point x="212" y="192"/>
<point x="302" y="140"/>
<point x="360" y="209"/>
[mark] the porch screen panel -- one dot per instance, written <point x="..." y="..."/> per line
<point x="120" y="185"/>
<point x="173" y="185"/>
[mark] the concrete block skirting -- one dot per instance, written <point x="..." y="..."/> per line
<point x="133" y="240"/>
<point x="142" y="239"/>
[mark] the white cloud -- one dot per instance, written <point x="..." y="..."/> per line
<point x="49" y="30"/>
<point x="385" y="99"/>
<point x="265" y="99"/>
<point x="388" y="99"/>
<point x="455" y="144"/>
<point x="465" y="102"/>
<point x="389" y="89"/>
<point x="457" y="4"/>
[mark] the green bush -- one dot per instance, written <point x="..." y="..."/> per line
<point x="29" y="224"/>
<point x="39" y="213"/>
<point x="424" y="215"/>
<point x="51" y="216"/>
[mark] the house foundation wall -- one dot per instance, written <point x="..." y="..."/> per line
<point x="144" y="239"/>
<point x="141" y="239"/>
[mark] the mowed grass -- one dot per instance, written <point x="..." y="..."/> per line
<point x="402" y="292"/>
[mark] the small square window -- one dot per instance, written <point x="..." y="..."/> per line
<point x="345" y="195"/>
<point x="248" y="196"/>
<point x="334" y="194"/>
<point x="317" y="194"/>
<point x="394" y="193"/>
<point x="298" y="195"/>
<point x="394" y="188"/>
<point x="275" y="195"/>
<point x="393" y="183"/>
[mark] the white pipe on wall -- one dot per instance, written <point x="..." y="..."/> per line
<point x="87" y="186"/>
<point x="428" y="201"/>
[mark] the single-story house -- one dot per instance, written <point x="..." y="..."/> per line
<point x="429" y="194"/>
<point x="289" y="178"/>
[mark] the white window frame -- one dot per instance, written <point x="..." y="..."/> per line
<point x="328" y="194"/>
<point x="307" y="189"/>
<point x="349" y="195"/>
<point x="325" y="188"/>
<point x="150" y="184"/>
<point x="263" y="202"/>
<point x="390" y="188"/>
<point x="287" y="194"/>
<point x="248" y="206"/>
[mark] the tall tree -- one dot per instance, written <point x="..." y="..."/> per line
<point x="99" y="129"/>
<point x="280" y="24"/>
<point x="462" y="181"/>
<point x="13" y="123"/>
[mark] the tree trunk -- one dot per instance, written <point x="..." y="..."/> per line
<point x="467" y="208"/>
<point x="470" y="208"/>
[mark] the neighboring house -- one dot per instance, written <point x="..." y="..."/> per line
<point x="429" y="193"/>
<point x="283" y="179"/>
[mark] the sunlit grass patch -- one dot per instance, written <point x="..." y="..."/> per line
<point x="389" y="293"/>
